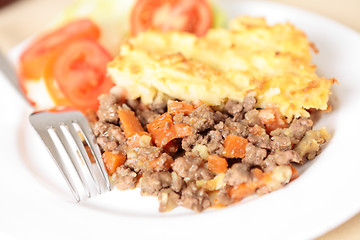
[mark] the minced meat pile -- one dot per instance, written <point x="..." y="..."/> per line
<point x="197" y="156"/>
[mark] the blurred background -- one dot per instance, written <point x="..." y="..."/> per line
<point x="20" y="19"/>
<point x="15" y="15"/>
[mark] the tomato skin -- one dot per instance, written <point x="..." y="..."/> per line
<point x="72" y="64"/>
<point x="194" y="16"/>
<point x="34" y="59"/>
<point x="51" y="86"/>
<point x="80" y="72"/>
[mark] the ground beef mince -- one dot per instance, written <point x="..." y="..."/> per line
<point x="124" y="178"/>
<point x="139" y="158"/>
<point x="233" y="107"/>
<point x="190" y="167"/>
<point x="284" y="157"/>
<point x="152" y="182"/>
<point x="249" y="103"/>
<point x="110" y="136"/>
<point x="201" y="119"/>
<point x="260" y="139"/>
<point x="237" y="174"/>
<point x="197" y="156"/>
<point x="252" y="118"/>
<point x="229" y="126"/>
<point x="108" y="108"/>
<point x="254" y="156"/>
<point x="195" y="198"/>
<point x="296" y="130"/>
<point x="281" y="143"/>
<point x="213" y="142"/>
<point x="168" y="200"/>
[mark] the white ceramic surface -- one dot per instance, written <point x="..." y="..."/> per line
<point x="35" y="202"/>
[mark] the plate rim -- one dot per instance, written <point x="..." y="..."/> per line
<point x="331" y="226"/>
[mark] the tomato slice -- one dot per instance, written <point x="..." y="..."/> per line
<point x="51" y="86"/>
<point x="34" y="59"/>
<point x="80" y="72"/>
<point x="194" y="16"/>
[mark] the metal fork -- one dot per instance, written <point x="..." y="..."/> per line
<point x="68" y="131"/>
<point x="72" y="130"/>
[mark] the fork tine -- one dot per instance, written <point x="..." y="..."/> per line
<point x="69" y="151"/>
<point x="90" y="140"/>
<point x="83" y="154"/>
<point x="52" y="149"/>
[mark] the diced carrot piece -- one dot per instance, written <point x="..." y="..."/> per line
<point x="234" y="146"/>
<point x="162" y="163"/>
<point x="295" y="174"/>
<point x="264" y="177"/>
<point x="174" y="107"/>
<point x="257" y="173"/>
<point x="218" y="204"/>
<point x="272" y="119"/>
<point x="217" y="164"/>
<point x="112" y="161"/>
<point x="267" y="115"/>
<point x="129" y="122"/>
<point x="281" y="123"/>
<point x="243" y="190"/>
<point x="260" y="175"/>
<point x="163" y="130"/>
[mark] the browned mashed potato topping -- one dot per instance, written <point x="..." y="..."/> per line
<point x="206" y="122"/>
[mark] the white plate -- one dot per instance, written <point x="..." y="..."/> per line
<point x="35" y="202"/>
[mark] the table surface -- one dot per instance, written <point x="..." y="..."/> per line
<point x="14" y="28"/>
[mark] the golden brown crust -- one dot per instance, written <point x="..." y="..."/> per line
<point x="274" y="62"/>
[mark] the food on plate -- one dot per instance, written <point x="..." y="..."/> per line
<point x="207" y="121"/>
<point x="273" y="62"/>
<point x="195" y="115"/>
<point x="108" y="23"/>
<point x="117" y="18"/>
<point x="111" y="16"/>
<point x="165" y="15"/>
<point x="70" y="62"/>
<point x="201" y="156"/>
<point x="34" y="59"/>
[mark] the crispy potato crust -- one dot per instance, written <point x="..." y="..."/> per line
<point x="271" y="62"/>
